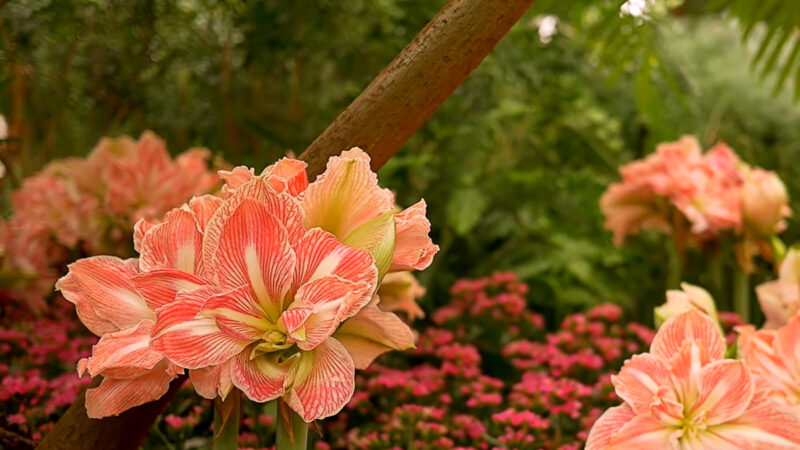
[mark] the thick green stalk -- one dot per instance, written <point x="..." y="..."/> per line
<point x="292" y="431"/>
<point x="227" y="415"/>
<point x="675" y="265"/>
<point x="741" y="294"/>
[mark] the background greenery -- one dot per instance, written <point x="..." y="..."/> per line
<point x="513" y="164"/>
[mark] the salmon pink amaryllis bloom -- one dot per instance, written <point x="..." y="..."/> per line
<point x="284" y="302"/>
<point x="685" y="395"/>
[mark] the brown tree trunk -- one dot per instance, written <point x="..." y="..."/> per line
<point x="400" y="99"/>
<point x="413" y="86"/>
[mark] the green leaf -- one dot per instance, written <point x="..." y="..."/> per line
<point x="465" y="209"/>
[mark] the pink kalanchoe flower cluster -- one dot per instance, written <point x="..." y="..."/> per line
<point x="268" y="288"/>
<point x="88" y="205"/>
<point x="558" y="383"/>
<point x="696" y="197"/>
<point x="37" y="379"/>
<point x="685" y="394"/>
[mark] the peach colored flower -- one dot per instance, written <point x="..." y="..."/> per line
<point x="684" y="395"/>
<point x="774" y="358"/>
<point x="779" y="298"/>
<point x="284" y="306"/>
<point x="680" y="301"/>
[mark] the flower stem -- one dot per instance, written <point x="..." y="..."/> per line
<point x="292" y="431"/>
<point x="778" y="250"/>
<point x="227" y="415"/>
<point x="741" y="294"/>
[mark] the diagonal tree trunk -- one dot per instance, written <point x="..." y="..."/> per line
<point x="389" y="111"/>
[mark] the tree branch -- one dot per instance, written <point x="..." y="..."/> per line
<point x="413" y="86"/>
<point x="400" y="99"/>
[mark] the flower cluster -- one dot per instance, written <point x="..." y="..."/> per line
<point x="696" y="197"/>
<point x="268" y="288"/>
<point x="522" y="388"/>
<point x="88" y="206"/>
<point x="38" y="381"/>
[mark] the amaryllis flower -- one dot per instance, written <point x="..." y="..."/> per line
<point x="684" y="395"/>
<point x="681" y="300"/>
<point x="774" y="357"/>
<point x="779" y="298"/>
<point x="284" y="304"/>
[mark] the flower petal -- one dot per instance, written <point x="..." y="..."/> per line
<point x="213" y="381"/>
<point x="261" y="379"/>
<point x="327" y="300"/>
<point x="641" y="432"/>
<point x="608" y="425"/>
<point x="787" y="346"/>
<point x="287" y="175"/>
<point x="160" y="286"/>
<point x="765" y="424"/>
<point x="173" y="244"/>
<point x="203" y="208"/>
<point x="320" y="254"/>
<point x="689" y="326"/>
<point x="725" y="389"/>
<point x="413" y="248"/>
<point x="237" y="313"/>
<point x="103" y="293"/>
<point x="640" y="379"/>
<point x="189" y="341"/>
<point x="322" y="382"/>
<point x="115" y="395"/>
<point x="124" y="354"/>
<point x="345" y="196"/>
<point x="247" y="245"/>
<point x="373" y="332"/>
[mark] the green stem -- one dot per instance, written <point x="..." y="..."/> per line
<point x="741" y="294"/>
<point x="715" y="272"/>
<point x="227" y="415"/>
<point x="675" y="266"/>
<point x="292" y="431"/>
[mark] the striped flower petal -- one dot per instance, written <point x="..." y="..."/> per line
<point x="372" y="332"/>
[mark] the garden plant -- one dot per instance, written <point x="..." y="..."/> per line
<point x="459" y="224"/>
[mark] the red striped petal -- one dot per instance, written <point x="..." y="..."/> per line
<point x="320" y="254"/>
<point x="115" y="396"/>
<point x="203" y="208"/>
<point x="329" y="299"/>
<point x="104" y="294"/>
<point x="247" y="245"/>
<point x="725" y="389"/>
<point x="765" y="424"/>
<point x="189" y="341"/>
<point x="176" y="243"/>
<point x="287" y="175"/>
<point x="237" y="314"/>
<point x="640" y="380"/>
<point x="213" y="381"/>
<point x="160" y="286"/>
<point x="261" y="379"/>
<point x="322" y="382"/>
<point x="124" y="354"/>
<point x="689" y="326"/>
<point x="607" y="426"/>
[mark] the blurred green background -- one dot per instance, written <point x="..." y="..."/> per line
<point x="512" y="165"/>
